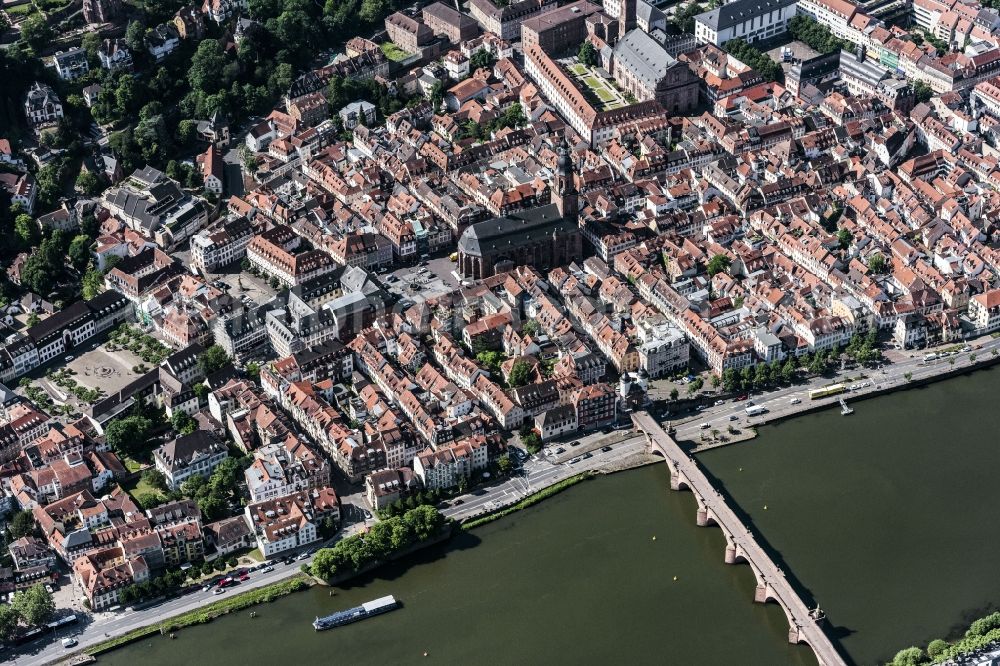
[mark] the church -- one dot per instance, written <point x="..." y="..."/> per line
<point x="543" y="237"/>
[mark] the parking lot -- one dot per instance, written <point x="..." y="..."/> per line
<point x="419" y="283"/>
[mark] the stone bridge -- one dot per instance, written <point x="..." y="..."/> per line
<point x="741" y="545"/>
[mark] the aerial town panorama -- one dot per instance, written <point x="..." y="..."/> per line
<point x="337" y="324"/>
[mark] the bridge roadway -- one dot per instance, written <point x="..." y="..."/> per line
<point x="741" y="546"/>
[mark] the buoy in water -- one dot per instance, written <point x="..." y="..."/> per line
<point x="741" y="469"/>
<point x="675" y="577"/>
<point x="765" y="507"/>
<point x="425" y="654"/>
<point x="654" y="538"/>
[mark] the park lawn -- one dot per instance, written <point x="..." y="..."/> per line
<point x="393" y="52"/>
<point x="131" y="464"/>
<point x="141" y="487"/>
<point x="591" y="82"/>
<point x="604" y="95"/>
<point x="578" y="69"/>
<point x="26" y="8"/>
<point x="255" y="554"/>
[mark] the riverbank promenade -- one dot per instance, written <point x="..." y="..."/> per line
<point x="741" y="545"/>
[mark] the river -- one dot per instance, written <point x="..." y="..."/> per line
<point x="886" y="517"/>
<point x="577" y="579"/>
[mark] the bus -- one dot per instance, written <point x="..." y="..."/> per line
<point x="756" y="410"/>
<point x="826" y="391"/>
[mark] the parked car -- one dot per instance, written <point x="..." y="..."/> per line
<point x="245" y="577"/>
<point x="560" y="451"/>
<point x="575" y="442"/>
<point x="69" y="642"/>
<point x="267" y="569"/>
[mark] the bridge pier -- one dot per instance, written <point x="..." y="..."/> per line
<point x="741" y="545"/>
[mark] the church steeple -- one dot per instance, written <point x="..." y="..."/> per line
<point x="564" y="195"/>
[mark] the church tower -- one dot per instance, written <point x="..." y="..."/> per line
<point x="564" y="196"/>
<point x="627" y="20"/>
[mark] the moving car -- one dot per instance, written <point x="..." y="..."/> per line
<point x="69" y="642"/>
<point x="705" y="426"/>
<point x="605" y="448"/>
<point x="794" y="401"/>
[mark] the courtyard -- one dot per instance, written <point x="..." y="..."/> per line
<point x="596" y="84"/>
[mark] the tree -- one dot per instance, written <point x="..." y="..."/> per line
<point x="35" y="31"/>
<point x="213" y="359"/>
<point x="907" y="376"/>
<point x="92" y="283"/>
<point x="33" y="319"/>
<point x="207" y="63"/>
<point x="588" y="54"/>
<point x="877" y="263"/>
<point x="21" y="525"/>
<point x="88" y="182"/>
<point x="154" y="478"/>
<point x="491" y="360"/>
<point x="844" y="238"/>
<point x="34" y="605"/>
<point x="684" y="17"/>
<point x="520" y="374"/>
<point x="936" y="647"/>
<point x="718" y="264"/>
<point x="79" y="251"/>
<point x="135" y="36"/>
<point x="9" y="618"/>
<point x="911" y="656"/>
<point x="674" y="394"/>
<point x="201" y="390"/>
<point x="504" y="464"/>
<point x="531" y="327"/>
<point x="788" y="370"/>
<point x="730" y="380"/>
<point x="128" y="435"/>
<point x="183" y="423"/>
<point x="27" y="230"/>
<point x="922" y="92"/>
<point x="481" y="59"/>
<point x="532" y="442"/>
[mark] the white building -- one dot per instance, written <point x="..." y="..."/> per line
<point x="42" y="105"/>
<point x="292" y="521"/>
<point x="196" y="454"/>
<point x="71" y="65"/>
<point x="984" y="311"/>
<point x="749" y="20"/>
<point x="211" y="249"/>
<point x="445" y="467"/>
<point x="114" y="54"/>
